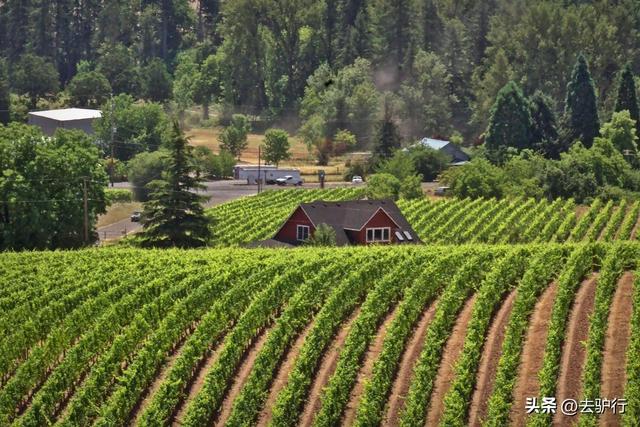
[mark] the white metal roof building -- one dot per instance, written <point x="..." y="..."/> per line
<point x="67" y="118"/>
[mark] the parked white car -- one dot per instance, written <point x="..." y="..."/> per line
<point x="289" y="180"/>
<point x="357" y="179"/>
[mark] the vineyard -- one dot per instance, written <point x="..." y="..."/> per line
<point x="449" y="221"/>
<point x="411" y="336"/>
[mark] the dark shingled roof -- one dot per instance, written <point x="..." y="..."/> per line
<point x="353" y="215"/>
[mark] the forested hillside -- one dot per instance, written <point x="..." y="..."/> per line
<point x="326" y="64"/>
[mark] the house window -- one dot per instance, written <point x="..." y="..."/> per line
<point x="302" y="233"/>
<point x="378" y="234"/>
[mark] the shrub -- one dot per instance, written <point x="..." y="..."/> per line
<point x="383" y="186"/>
<point x="118" y="195"/>
<point x="478" y="178"/>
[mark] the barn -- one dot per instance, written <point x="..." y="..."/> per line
<point x="68" y="118"/>
<point x="356" y="222"/>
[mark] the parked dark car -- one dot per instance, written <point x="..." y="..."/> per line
<point x="135" y="217"/>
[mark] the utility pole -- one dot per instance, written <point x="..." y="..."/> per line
<point x="113" y="145"/>
<point x="259" y="175"/>
<point x="86" y="210"/>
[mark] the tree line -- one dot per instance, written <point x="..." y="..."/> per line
<point x="326" y="65"/>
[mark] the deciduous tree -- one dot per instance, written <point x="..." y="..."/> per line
<point x="89" y="89"/>
<point x="276" y="146"/>
<point x="234" y="137"/>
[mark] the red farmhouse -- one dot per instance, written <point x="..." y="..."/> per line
<point x="357" y="222"/>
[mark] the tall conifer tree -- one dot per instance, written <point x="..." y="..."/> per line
<point x="174" y="216"/>
<point x="627" y="97"/>
<point x="581" y="112"/>
<point x="510" y="123"/>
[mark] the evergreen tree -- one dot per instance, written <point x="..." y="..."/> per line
<point x="627" y="97"/>
<point x="156" y="81"/>
<point x="174" y="216"/>
<point x="387" y="137"/>
<point x="5" y="100"/>
<point x="432" y="27"/>
<point x="510" y="123"/>
<point x="544" y="132"/>
<point x="354" y="38"/>
<point x="581" y="112"/>
<point x="396" y="31"/>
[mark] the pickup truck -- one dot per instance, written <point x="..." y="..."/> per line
<point x="289" y="180"/>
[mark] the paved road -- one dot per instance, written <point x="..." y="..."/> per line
<point x="218" y="192"/>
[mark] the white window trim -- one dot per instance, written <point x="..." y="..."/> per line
<point x="302" y="227"/>
<point x="382" y="231"/>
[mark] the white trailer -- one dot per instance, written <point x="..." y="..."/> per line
<point x="267" y="174"/>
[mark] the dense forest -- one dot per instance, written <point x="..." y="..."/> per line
<point x="436" y="66"/>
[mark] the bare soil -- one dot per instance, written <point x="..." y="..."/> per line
<point x="405" y="371"/>
<point x="325" y="370"/>
<point x="574" y="351"/>
<point x="196" y="386"/>
<point x="615" y="347"/>
<point x="446" y="372"/>
<point x="155" y="385"/>
<point x="489" y="361"/>
<point x="532" y="354"/>
<point x="366" y="369"/>
<point x="282" y="377"/>
<point x="241" y="377"/>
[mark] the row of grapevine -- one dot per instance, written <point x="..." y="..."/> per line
<point x="340" y="305"/>
<point x="35" y="368"/>
<point x="599" y="222"/>
<point x="308" y="299"/>
<point x="500" y="280"/>
<point x="424" y="290"/>
<point x="614" y="264"/>
<point x="208" y="332"/>
<point x="538" y="275"/>
<point x="449" y="305"/>
<point x="378" y="303"/>
<point x="632" y="387"/>
<point x="250" y="324"/>
<point x="578" y="265"/>
<point x="82" y="355"/>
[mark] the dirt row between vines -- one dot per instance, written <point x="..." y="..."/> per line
<point x="366" y="368"/>
<point x="409" y="358"/>
<point x="489" y="361"/>
<point x="325" y="370"/>
<point x="280" y="381"/>
<point x="450" y="355"/>
<point x="616" y="343"/>
<point x="573" y="351"/>
<point x="532" y="354"/>
<point x="241" y="377"/>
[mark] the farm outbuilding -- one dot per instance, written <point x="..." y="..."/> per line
<point x="68" y="118"/>
<point x="457" y="155"/>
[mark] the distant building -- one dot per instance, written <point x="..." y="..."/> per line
<point x="68" y="118"/>
<point x="356" y="222"/>
<point x="457" y="155"/>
